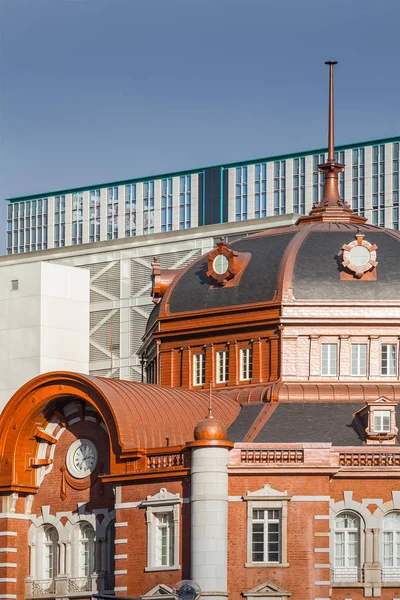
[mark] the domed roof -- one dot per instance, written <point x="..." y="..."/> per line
<point x="303" y="258"/>
<point x="210" y="428"/>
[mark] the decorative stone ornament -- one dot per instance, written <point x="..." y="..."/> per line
<point x="225" y="264"/>
<point x="359" y="256"/>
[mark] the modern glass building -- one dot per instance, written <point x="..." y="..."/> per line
<point x="220" y="194"/>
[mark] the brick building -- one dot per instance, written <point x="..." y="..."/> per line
<point x="263" y="459"/>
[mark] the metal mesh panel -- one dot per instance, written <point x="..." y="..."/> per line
<point x="104" y="334"/>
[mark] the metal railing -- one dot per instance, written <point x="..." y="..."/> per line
<point x="347" y="575"/>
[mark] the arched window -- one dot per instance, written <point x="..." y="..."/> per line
<point x="50" y="552"/>
<point x="347" y="547"/>
<point x="86" y="550"/>
<point x="391" y="547"/>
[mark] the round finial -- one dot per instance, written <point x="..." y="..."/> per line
<point x="210" y="428"/>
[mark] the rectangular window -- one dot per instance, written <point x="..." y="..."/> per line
<point x="166" y="204"/>
<point x="77" y="217"/>
<point x="112" y="213"/>
<point x="260" y="190"/>
<point x="94" y="216"/>
<point x="328" y="359"/>
<point x="266" y="536"/>
<point x="280" y="187"/>
<point x="148" y="207"/>
<point x="199" y="369"/>
<point x="388" y="359"/>
<point x="358" y="181"/>
<point x="241" y="193"/>
<point x="378" y="185"/>
<point x="339" y="158"/>
<point x="185" y="202"/>
<point x="359" y="359"/>
<point x="299" y="196"/>
<point x="246" y="366"/>
<point x="165" y="540"/>
<point x="59" y="217"/>
<point x="318" y="178"/>
<point x="130" y="210"/>
<point x="222" y="366"/>
<point x="395" y="193"/>
<point x="381" y="421"/>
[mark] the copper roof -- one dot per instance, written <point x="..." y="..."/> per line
<point x="152" y="416"/>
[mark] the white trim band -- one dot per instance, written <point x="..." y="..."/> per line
<point x="321" y="550"/>
<point x="8" y="549"/>
<point x="127" y="504"/>
<point x="120" y="556"/>
<point x="121" y="541"/>
<point x="10" y="533"/>
<point x="123" y="524"/>
<point x="121" y="572"/>
<point x="120" y="589"/>
<point x="8" y="580"/>
<point x="9" y="565"/>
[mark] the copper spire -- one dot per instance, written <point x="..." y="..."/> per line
<point x="331" y="207"/>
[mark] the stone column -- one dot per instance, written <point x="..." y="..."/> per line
<point x="209" y="509"/>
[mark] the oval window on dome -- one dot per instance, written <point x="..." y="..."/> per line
<point x="220" y="264"/>
<point x="359" y="256"/>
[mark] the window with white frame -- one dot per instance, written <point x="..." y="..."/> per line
<point x="148" y="207"/>
<point x="347" y="548"/>
<point x="199" y="369"/>
<point x="164" y="539"/>
<point x="50" y="553"/>
<point x="130" y="210"/>
<point x="359" y="359"/>
<point x="299" y="195"/>
<point x="388" y="359"/>
<point x="86" y="550"/>
<point x="94" y="216"/>
<point x="381" y="421"/>
<point x="222" y="366"/>
<point x="162" y="517"/>
<point x="267" y="518"/>
<point x="246" y="363"/>
<point x="391" y="547"/>
<point x="280" y="187"/>
<point x="266" y="536"/>
<point x="112" y="213"/>
<point x="328" y="359"/>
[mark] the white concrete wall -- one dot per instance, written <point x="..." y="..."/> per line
<point x="209" y="514"/>
<point x="44" y="324"/>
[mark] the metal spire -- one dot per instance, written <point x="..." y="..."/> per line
<point x="331" y="122"/>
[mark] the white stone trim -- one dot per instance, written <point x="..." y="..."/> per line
<point x="10" y="565"/>
<point x="10" y="533"/>
<point x="235" y="498"/>
<point x="322" y="566"/>
<point x="121" y="589"/>
<point x="121" y="541"/>
<point x="121" y="572"/>
<point x="8" y="549"/>
<point x="121" y="524"/>
<point x="321" y="549"/>
<point x="11" y="596"/>
<point x="322" y="582"/>
<point x="8" y="580"/>
<point x="120" y="556"/>
<point x="127" y="504"/>
<point x="6" y="515"/>
<point x="322" y="517"/>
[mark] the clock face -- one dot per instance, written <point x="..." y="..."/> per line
<point x="81" y="458"/>
<point x="220" y="264"/>
<point x="359" y="256"/>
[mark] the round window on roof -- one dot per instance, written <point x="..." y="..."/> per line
<point x="359" y="256"/>
<point x="220" y="264"/>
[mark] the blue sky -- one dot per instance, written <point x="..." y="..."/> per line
<point x="101" y="90"/>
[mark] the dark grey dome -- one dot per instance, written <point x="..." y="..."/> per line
<point x="313" y="256"/>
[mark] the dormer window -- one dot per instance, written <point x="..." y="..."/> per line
<point x="377" y="421"/>
<point x="381" y="421"/>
